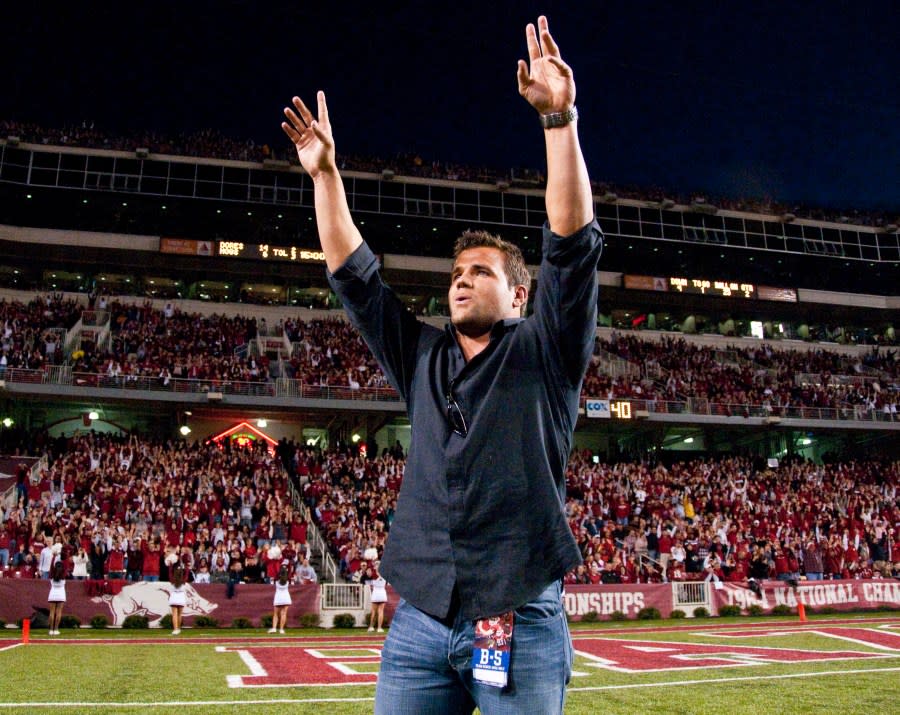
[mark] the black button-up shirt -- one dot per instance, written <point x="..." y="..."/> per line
<point x="486" y="511"/>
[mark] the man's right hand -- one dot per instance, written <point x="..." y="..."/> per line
<point x="311" y="137"/>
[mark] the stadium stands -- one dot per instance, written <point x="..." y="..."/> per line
<point x="166" y="349"/>
<point x="723" y="518"/>
<point x="641" y="508"/>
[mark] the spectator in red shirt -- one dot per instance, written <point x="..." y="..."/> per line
<point x="152" y="560"/>
<point x="6" y="545"/>
<point x="782" y="568"/>
<point x="115" y="560"/>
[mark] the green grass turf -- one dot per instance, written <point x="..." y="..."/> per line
<point x="170" y="675"/>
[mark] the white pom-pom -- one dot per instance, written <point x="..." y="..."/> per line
<point x="274" y="552"/>
<point x="370" y="554"/>
<point x="171" y="559"/>
<point x="56" y="549"/>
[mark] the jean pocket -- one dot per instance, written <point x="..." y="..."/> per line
<point x="543" y="609"/>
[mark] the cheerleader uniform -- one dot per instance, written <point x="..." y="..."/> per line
<point x="282" y="594"/>
<point x="177" y="596"/>
<point x="379" y="590"/>
<point x="57" y="592"/>
<point x="57" y="595"/>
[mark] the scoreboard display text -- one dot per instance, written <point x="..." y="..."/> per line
<point x="725" y="289"/>
<point x="267" y="252"/>
<point x="709" y="286"/>
<point x="608" y="409"/>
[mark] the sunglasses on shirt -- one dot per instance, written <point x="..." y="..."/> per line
<point x="454" y="414"/>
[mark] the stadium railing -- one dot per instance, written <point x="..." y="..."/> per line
<point x="292" y="388"/>
<point x="282" y="387"/>
<point x="343" y="595"/>
<point x="701" y="406"/>
<point x="691" y="594"/>
<point x="328" y="570"/>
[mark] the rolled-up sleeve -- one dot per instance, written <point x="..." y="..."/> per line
<point x="565" y="304"/>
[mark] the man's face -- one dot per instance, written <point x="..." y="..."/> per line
<point x="479" y="291"/>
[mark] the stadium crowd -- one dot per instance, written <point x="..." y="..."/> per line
<point x="733" y="519"/>
<point x="117" y="506"/>
<point x="722" y="518"/>
<point x="32" y="332"/>
<point x="170" y="344"/>
<point x="211" y="143"/>
<point x="162" y="345"/>
<point x="228" y="517"/>
<point x="734" y="379"/>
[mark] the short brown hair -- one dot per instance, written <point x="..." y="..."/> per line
<point x="513" y="261"/>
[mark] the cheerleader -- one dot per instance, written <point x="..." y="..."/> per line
<point x="177" y="597"/>
<point x="57" y="597"/>
<point x="282" y="601"/>
<point x="379" y="597"/>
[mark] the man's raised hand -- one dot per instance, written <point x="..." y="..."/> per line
<point x="312" y="138"/>
<point x="548" y="84"/>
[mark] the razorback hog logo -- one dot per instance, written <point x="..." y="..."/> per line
<point x="151" y="599"/>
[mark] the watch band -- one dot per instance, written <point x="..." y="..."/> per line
<point x="559" y="119"/>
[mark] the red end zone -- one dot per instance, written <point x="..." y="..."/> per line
<point x="308" y="663"/>
<point x="292" y="665"/>
<point x="883" y="638"/>
<point x="641" y="656"/>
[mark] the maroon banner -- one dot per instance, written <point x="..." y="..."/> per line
<point x="602" y="600"/>
<point x="839" y="595"/>
<point x="607" y="599"/>
<point x="119" y="599"/>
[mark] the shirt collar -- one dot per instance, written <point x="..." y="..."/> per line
<point x="500" y="328"/>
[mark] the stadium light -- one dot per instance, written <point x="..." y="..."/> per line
<point x="185" y="430"/>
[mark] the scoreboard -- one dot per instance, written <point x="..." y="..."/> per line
<point x="710" y="286"/>
<point x="239" y="249"/>
<point x="268" y="252"/>
<point x="611" y="409"/>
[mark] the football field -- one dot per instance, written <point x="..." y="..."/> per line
<point x="722" y="666"/>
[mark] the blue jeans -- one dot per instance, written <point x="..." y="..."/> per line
<point x="426" y="666"/>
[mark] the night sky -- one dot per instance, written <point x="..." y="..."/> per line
<point x="796" y="101"/>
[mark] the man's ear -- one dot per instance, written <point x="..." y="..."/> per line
<point x="521" y="296"/>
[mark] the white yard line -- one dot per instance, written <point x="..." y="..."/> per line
<point x="185" y="703"/>
<point x="714" y="681"/>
